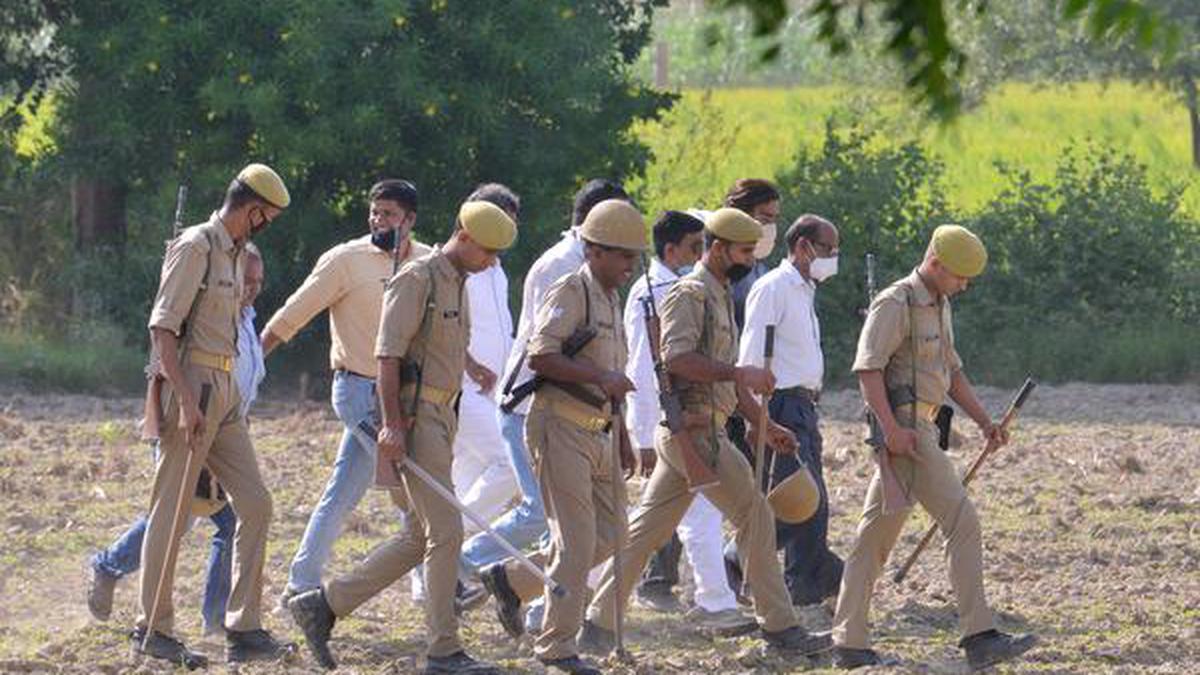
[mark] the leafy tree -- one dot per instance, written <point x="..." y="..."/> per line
<point x="920" y="35"/>
<point x="1179" y="74"/>
<point x="335" y="95"/>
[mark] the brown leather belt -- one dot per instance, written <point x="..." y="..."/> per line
<point x="813" y="395"/>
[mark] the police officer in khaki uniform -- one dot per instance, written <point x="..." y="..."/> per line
<point x="422" y="353"/>
<point x="906" y="366"/>
<point x="193" y="328"/>
<point x="699" y="348"/>
<point x="568" y="434"/>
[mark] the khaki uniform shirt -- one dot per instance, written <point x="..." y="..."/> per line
<point x="441" y="348"/>
<point x="697" y="316"/>
<point x="886" y="340"/>
<point x="213" y="327"/>
<point x="349" y="280"/>
<point x="564" y="311"/>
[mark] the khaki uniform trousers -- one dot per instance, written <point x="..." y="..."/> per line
<point x="935" y="484"/>
<point x="665" y="499"/>
<point x="228" y="452"/>
<point x="575" y="473"/>
<point x="433" y="535"/>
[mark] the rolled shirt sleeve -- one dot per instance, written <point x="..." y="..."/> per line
<point x="182" y="274"/>
<point x="323" y="287"/>
<point x="682" y="319"/>
<point x="882" y="334"/>
<point x="403" y="310"/>
<point x="559" y="315"/>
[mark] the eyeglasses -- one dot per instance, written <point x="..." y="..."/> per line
<point x="824" y="250"/>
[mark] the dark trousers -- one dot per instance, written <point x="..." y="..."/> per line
<point x="662" y="572"/>
<point x="811" y="570"/>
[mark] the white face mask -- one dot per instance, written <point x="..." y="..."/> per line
<point x="766" y="243"/>
<point x="685" y="270"/>
<point x="821" y="269"/>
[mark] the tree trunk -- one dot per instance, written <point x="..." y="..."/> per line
<point x="1192" y="100"/>
<point x="98" y="212"/>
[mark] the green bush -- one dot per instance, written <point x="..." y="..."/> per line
<point x="1092" y="275"/>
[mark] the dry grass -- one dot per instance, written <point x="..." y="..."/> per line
<point x="1092" y="540"/>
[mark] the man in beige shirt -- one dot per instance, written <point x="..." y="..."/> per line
<point x="422" y="354"/>
<point x="193" y="329"/>
<point x="907" y="366"/>
<point x="699" y="348"/>
<point x="348" y="280"/>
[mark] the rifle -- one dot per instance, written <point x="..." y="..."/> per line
<point x="574" y="344"/>
<point x="988" y="449"/>
<point x="152" y="406"/>
<point x="699" y="472"/>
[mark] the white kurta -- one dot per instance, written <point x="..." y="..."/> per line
<point x="483" y="477"/>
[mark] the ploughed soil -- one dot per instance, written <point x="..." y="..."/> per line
<point x="1091" y="533"/>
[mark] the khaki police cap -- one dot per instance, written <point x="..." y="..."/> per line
<point x="733" y="225"/>
<point x="266" y="184"/>
<point x="959" y="250"/>
<point x="488" y="225"/>
<point x="796" y="498"/>
<point x="616" y="223"/>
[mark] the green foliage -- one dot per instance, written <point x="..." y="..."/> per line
<point x="533" y="93"/>
<point x="1091" y="274"/>
<point x="92" y="357"/>
<point x="885" y="198"/>
<point x="921" y="41"/>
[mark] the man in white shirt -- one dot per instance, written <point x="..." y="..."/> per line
<point x="785" y="298"/>
<point x="678" y="244"/>
<point x="483" y="476"/>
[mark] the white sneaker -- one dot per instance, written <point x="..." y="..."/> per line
<point x="724" y="623"/>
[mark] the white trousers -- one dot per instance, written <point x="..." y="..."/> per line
<point x="703" y="542"/>
<point x="483" y="476"/>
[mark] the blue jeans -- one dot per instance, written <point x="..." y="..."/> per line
<point x="124" y="557"/>
<point x="353" y="472"/>
<point x="525" y="523"/>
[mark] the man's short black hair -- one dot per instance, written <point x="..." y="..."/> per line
<point x="592" y="193"/>
<point x="807" y="227"/>
<point x="397" y="190"/>
<point x="499" y="194"/>
<point x="671" y="227"/>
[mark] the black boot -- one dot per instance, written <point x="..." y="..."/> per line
<point x="166" y="648"/>
<point x="255" y="645"/>
<point x="595" y="640"/>
<point x="991" y="647"/>
<point x="508" y="605"/>
<point x="458" y="662"/>
<point x="848" y="658"/>
<point x="796" y="640"/>
<point x="572" y="665"/>
<point x="312" y="614"/>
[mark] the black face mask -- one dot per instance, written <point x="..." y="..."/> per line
<point x="737" y="271"/>
<point x="384" y="240"/>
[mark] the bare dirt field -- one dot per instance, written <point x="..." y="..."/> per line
<point x="1091" y="521"/>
